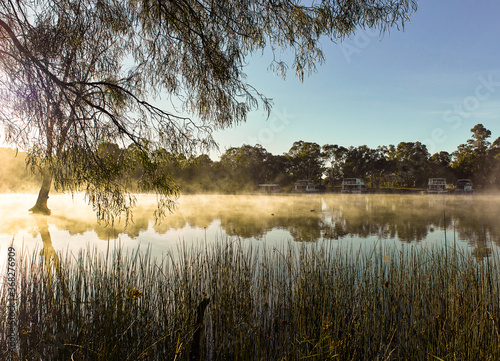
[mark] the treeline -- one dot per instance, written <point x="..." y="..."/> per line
<point x="14" y="174"/>
<point x="405" y="165"/>
<point x="242" y="169"/>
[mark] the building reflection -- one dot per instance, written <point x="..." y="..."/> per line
<point x="306" y="218"/>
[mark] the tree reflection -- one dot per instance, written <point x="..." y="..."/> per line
<point x="51" y="258"/>
<point x="305" y="217"/>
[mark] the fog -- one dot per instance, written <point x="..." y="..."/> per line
<point x="470" y="220"/>
<point x="14" y="176"/>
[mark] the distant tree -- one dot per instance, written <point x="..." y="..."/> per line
<point x="481" y="146"/>
<point x="493" y="161"/>
<point x="366" y="163"/>
<point x="305" y="161"/>
<point x="277" y="168"/>
<point x="357" y="162"/>
<point x="14" y="177"/>
<point x="412" y="159"/>
<point x="77" y="73"/>
<point x="441" y="158"/>
<point x="391" y="177"/>
<point x="335" y="157"/>
<point x="197" y="165"/>
<point x="464" y="162"/>
<point x="248" y="165"/>
<point x="479" y="139"/>
<point x="197" y="175"/>
<point x="439" y="165"/>
<point x="470" y="160"/>
<point x="495" y="144"/>
<point x="379" y="167"/>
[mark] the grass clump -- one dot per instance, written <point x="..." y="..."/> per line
<point x="231" y="302"/>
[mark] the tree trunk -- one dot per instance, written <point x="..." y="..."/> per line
<point x="41" y="203"/>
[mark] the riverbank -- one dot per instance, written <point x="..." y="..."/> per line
<point x="227" y="301"/>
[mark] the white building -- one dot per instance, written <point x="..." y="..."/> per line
<point x="436" y="185"/>
<point x="304" y="185"/>
<point x="353" y="185"/>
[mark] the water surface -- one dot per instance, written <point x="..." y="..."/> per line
<point x="348" y="220"/>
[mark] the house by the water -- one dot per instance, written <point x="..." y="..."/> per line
<point x="353" y="185"/>
<point x="464" y="186"/>
<point x="270" y="188"/>
<point x="436" y="185"/>
<point x="304" y="186"/>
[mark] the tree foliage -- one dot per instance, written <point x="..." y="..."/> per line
<point x="413" y="158"/>
<point x="242" y="169"/>
<point x="305" y="161"/>
<point x="477" y="158"/>
<point x="76" y="74"/>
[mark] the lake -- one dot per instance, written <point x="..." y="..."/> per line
<point x="349" y="220"/>
<point x="294" y="293"/>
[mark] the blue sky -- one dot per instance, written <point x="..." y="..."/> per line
<point x="431" y="83"/>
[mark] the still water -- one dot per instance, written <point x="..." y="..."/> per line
<point x="348" y="220"/>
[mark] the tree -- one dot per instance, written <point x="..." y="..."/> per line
<point x="412" y="159"/>
<point x="75" y="74"/>
<point x="378" y="168"/>
<point x="481" y="146"/>
<point x="248" y="166"/>
<point x="391" y="164"/>
<point x="471" y="159"/>
<point x="366" y="163"/>
<point x="335" y="156"/>
<point x="439" y="165"/>
<point x="196" y="175"/>
<point x="357" y="162"/>
<point x="464" y="161"/>
<point x="493" y="161"/>
<point x="277" y="168"/>
<point x="305" y="161"/>
<point x="479" y="139"/>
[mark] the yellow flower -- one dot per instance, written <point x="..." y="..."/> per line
<point x="134" y="293"/>
<point x="327" y="325"/>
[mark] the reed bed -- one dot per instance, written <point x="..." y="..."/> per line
<point x="227" y="301"/>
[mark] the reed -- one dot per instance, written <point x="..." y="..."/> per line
<point x="228" y="301"/>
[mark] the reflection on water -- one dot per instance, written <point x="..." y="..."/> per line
<point x="470" y="220"/>
<point x="51" y="257"/>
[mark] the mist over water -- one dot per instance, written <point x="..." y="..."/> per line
<point x="349" y="220"/>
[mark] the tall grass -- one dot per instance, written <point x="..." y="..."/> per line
<point x="314" y="302"/>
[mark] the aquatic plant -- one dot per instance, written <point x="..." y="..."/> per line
<point x="229" y="301"/>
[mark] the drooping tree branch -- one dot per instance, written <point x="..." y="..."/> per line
<point x="67" y="92"/>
